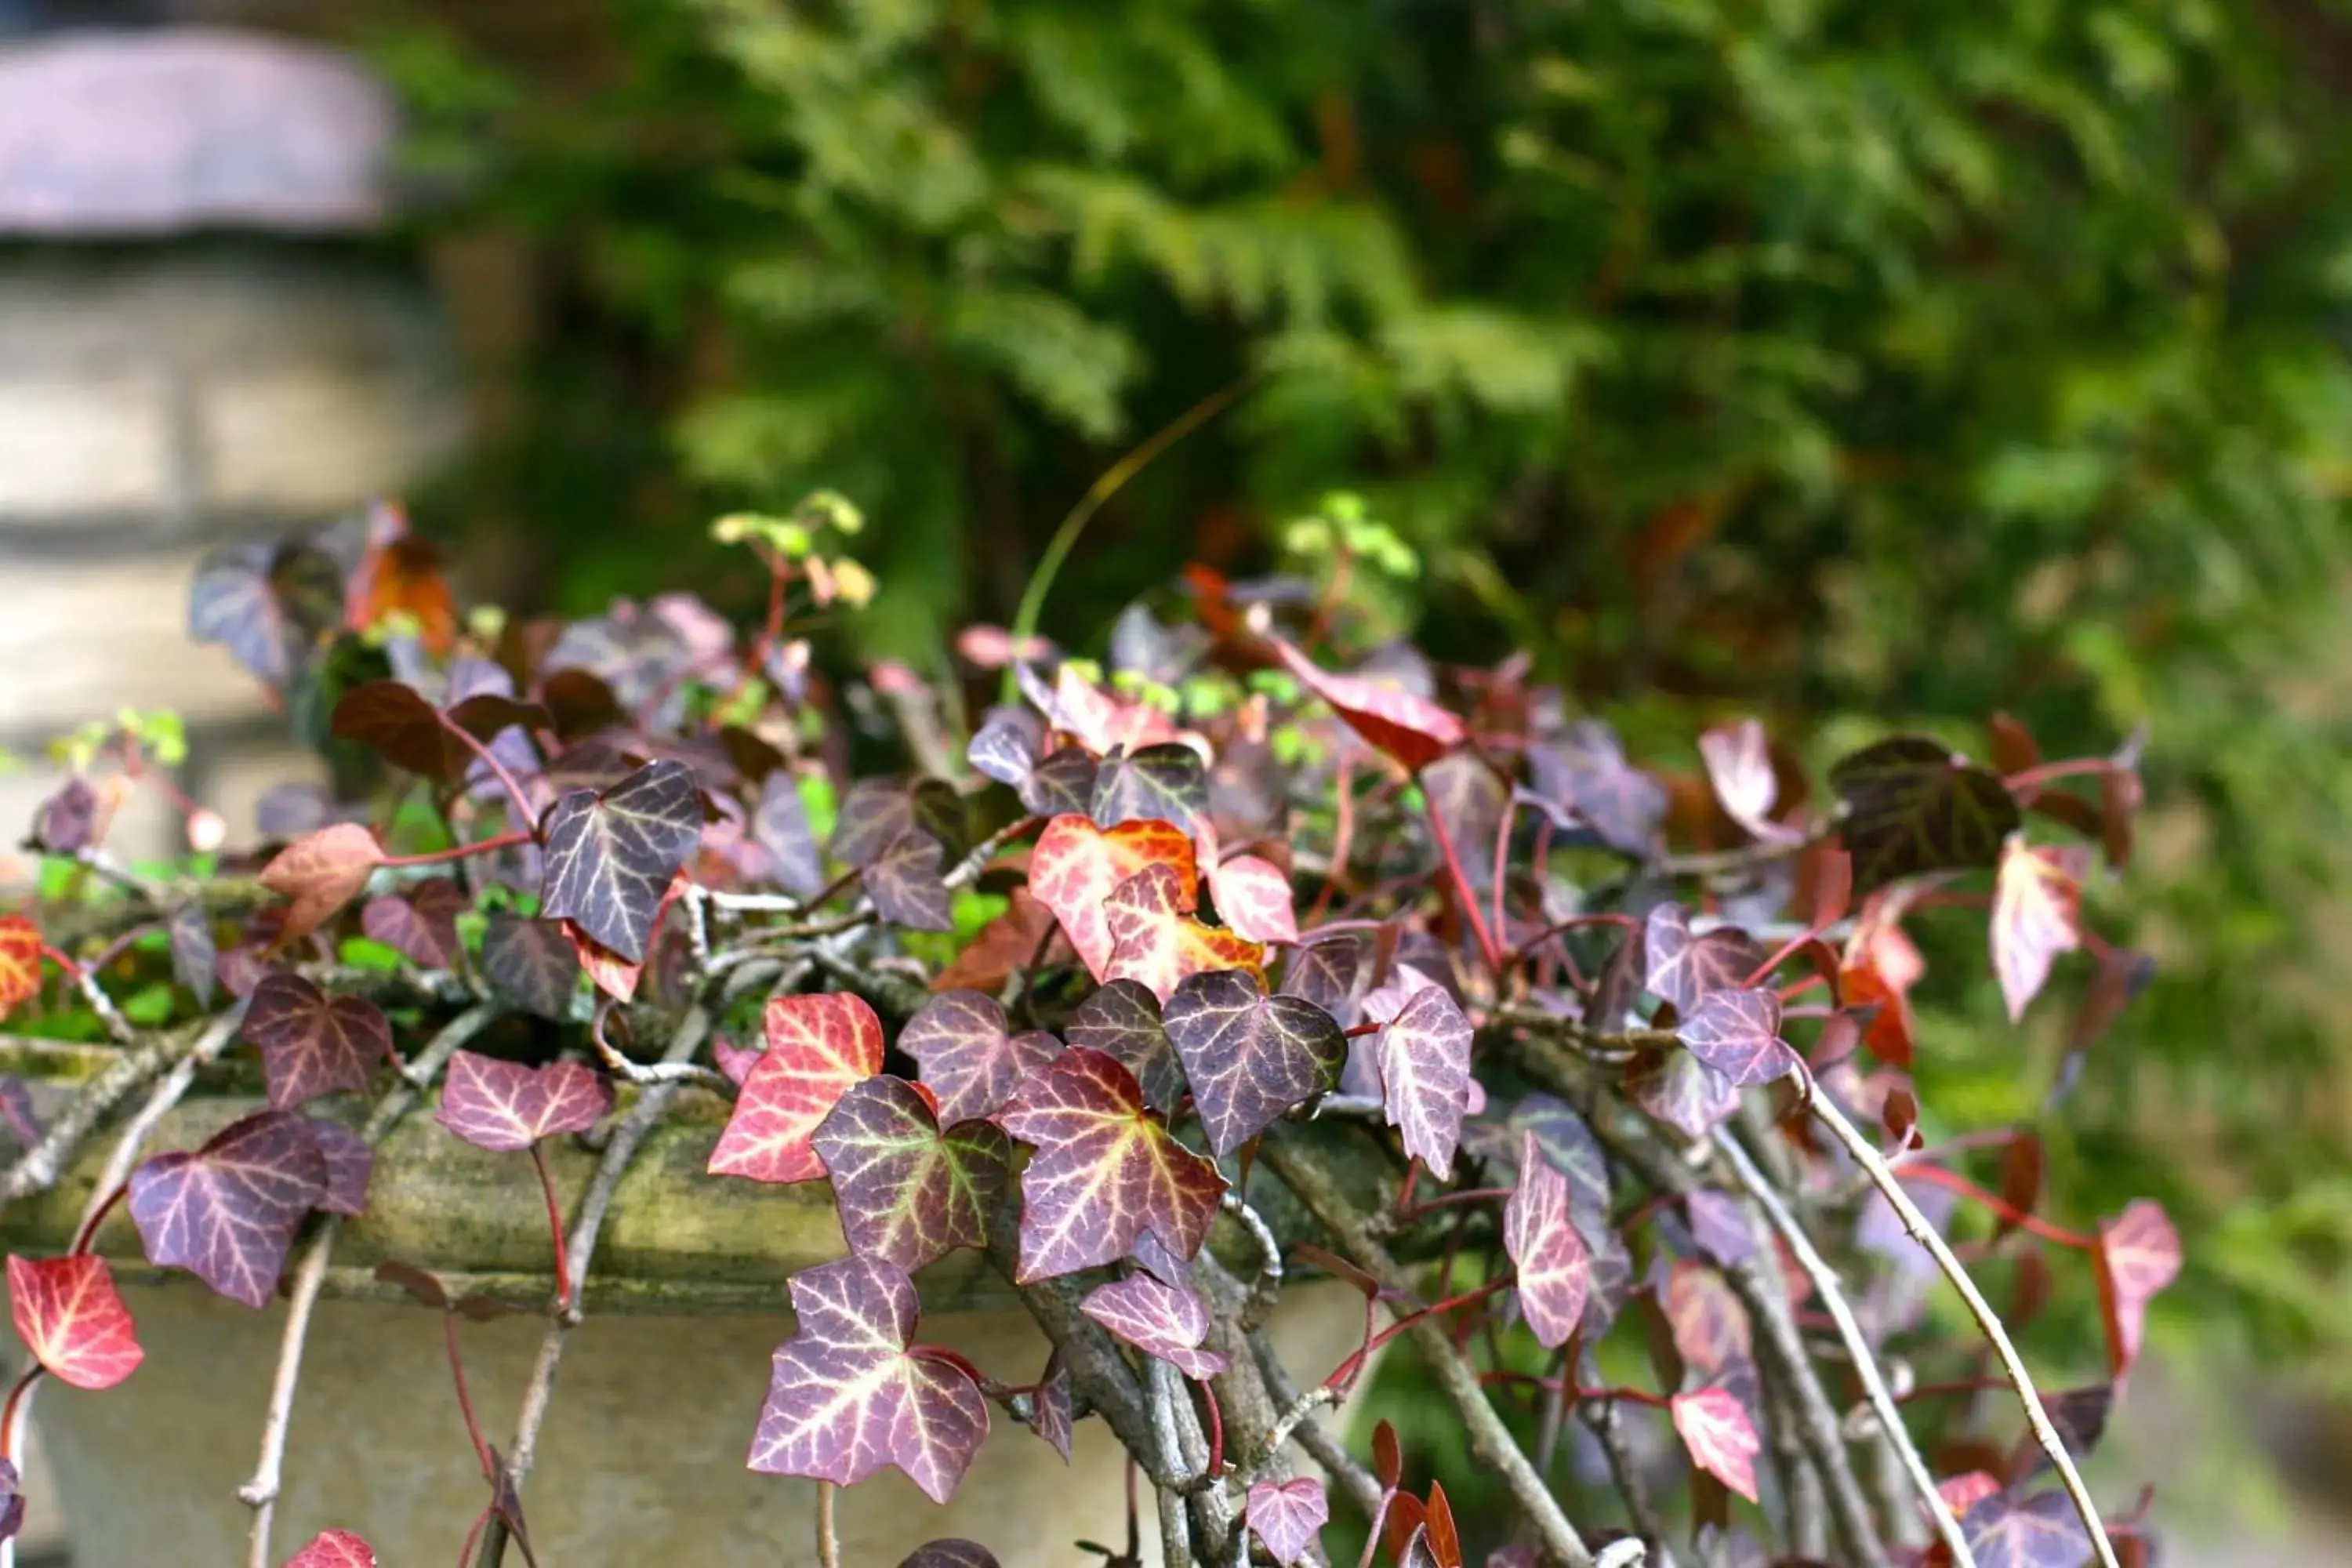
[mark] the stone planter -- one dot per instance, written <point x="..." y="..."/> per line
<point x="642" y="1457"/>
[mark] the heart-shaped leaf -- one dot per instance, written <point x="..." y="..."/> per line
<point x="1064" y="784"/>
<point x="392" y="719"/>
<point x="267" y="602"/>
<point x="907" y="885"/>
<point x="1253" y="898"/>
<point x="531" y="962"/>
<point x="1287" y="1516"/>
<point x="507" y="1105"/>
<point x="2037" y="905"/>
<point x="1684" y="968"/>
<point x="847" y="1398"/>
<point x="1912" y="806"/>
<point x="1025" y="933"/>
<point x="1738" y="1032"/>
<point x="2139" y="1254"/>
<point x="72" y="1320"/>
<point x="817" y="1046"/>
<point x="874" y="812"/>
<point x="611" y="856"/>
<point x="1077" y="866"/>
<point x="1167" y="783"/>
<point x="1413" y="730"/>
<point x="951" y="1551"/>
<point x="320" y="873"/>
<point x="780" y="824"/>
<point x="1714" y="1426"/>
<point x="1684" y="1092"/>
<point x="1584" y="770"/>
<point x="1055" y="1416"/>
<point x="20" y="962"/>
<point x="2043" y="1531"/>
<point x="969" y="1058"/>
<point x="312" y="1044"/>
<point x="907" y="1191"/>
<point x="1076" y="706"/>
<point x="1105" y="1170"/>
<point x="1567" y="1145"/>
<point x="1122" y="1021"/>
<point x="67" y="821"/>
<point x="1004" y="747"/>
<point x="1155" y="942"/>
<point x="226" y="1211"/>
<point x="351" y="1165"/>
<point x="1160" y="1320"/>
<point x="1710" y="1326"/>
<point x="1423" y="1060"/>
<point x="422" y="927"/>
<point x="1248" y="1055"/>
<point x="334" y="1549"/>
<point x="1555" y="1267"/>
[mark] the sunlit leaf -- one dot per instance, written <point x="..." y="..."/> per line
<point x="907" y="885"/>
<point x="2037" y="900"/>
<point x="530" y="962"/>
<point x="422" y="925"/>
<point x="1155" y="942"/>
<point x="846" y="1397"/>
<point x="1912" y="806"/>
<point x="1683" y="968"/>
<point x="1738" y="1032"/>
<point x="611" y="856"/>
<point x="320" y="873"/>
<point x="226" y="1211"/>
<point x="1287" y="1516"/>
<point x="1105" y="1170"/>
<point x="1122" y="1021"/>
<point x="1555" y="1267"/>
<point x="817" y="1046"/>
<point x="1005" y="746"/>
<point x="1249" y="1057"/>
<point x="334" y="1549"/>
<point x="312" y="1044"/>
<point x="1159" y="1319"/>
<point x="72" y="1320"/>
<point x="1714" y="1426"/>
<point x="503" y="1105"/>
<point x="2005" y="1530"/>
<point x="968" y="1054"/>
<point x="907" y="1191"/>
<point x="20" y="962"/>
<point x="2137" y="1256"/>
<point x="1077" y="866"/>
<point x="1738" y="759"/>
<point x="1167" y="783"/>
<point x="1423" y="1059"/>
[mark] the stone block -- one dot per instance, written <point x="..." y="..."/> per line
<point x="81" y="639"/>
<point x="95" y="441"/>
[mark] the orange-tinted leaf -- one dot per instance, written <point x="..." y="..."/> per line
<point x="2014" y="746"/>
<point x="1444" y="1541"/>
<point x="72" y="1318"/>
<point x="817" y="1046"/>
<point x="2139" y="1254"/>
<point x="1157" y="942"/>
<point x="320" y="873"/>
<point x="1413" y="730"/>
<point x="1077" y="866"/>
<point x="401" y="573"/>
<point x="20" y="962"/>
<point x="1722" y="1441"/>
<point x="1025" y="931"/>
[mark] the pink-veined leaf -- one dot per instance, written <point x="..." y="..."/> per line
<point x="1562" y="1136"/>
<point x="1076" y="706"/>
<point x="1912" y="806"/>
<point x="2037" y="902"/>
<point x="906" y="883"/>
<point x="1153" y="1257"/>
<point x="950" y="1552"/>
<point x="1122" y="1021"/>
<point x="1684" y="968"/>
<point x="1423" y="1059"/>
<point x="1005" y="746"/>
<point x="226" y="1211"/>
<point x="967" y="1055"/>
<point x="1413" y="730"/>
<point x="422" y="925"/>
<point x="351" y="1165"/>
<point x="320" y="873"/>
<point x="1155" y="942"/>
<point x="1163" y="783"/>
<point x="1249" y="1057"/>
<point x="72" y="1320"/>
<point x="611" y="855"/>
<point x="1738" y="1032"/>
<point x="1555" y="1267"/>
<point x="1684" y="1092"/>
<point x="1055" y="1418"/>
<point x="1077" y="866"/>
<point x="847" y="1398"/>
<point x="334" y="1549"/>
<point x="817" y="1046"/>
<point x="610" y="972"/>
<point x="1738" y="759"/>
<point x="1159" y="1319"/>
<point x="734" y="1060"/>
<point x="1253" y="898"/>
<point x="508" y="1105"/>
<point x="532" y="962"/>
<point x="312" y="1044"/>
<point x="1287" y="1516"/>
<point x="2137" y="1256"/>
<point x="2043" y="1531"/>
<point x="1105" y="1170"/>
<point x="1710" y="1326"/>
<point x="907" y="1191"/>
<point x="1714" y="1426"/>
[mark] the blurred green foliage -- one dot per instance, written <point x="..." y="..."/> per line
<point x="1810" y="357"/>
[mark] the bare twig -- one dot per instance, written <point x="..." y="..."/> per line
<point x="37" y="1168"/>
<point x="86" y="981"/>
<point x="828" y="1541"/>
<point x="1175" y="1528"/>
<point x="1608" y="1425"/>
<point x="1344" y="1469"/>
<point x="1866" y="1155"/>
<point x="1268" y="1284"/>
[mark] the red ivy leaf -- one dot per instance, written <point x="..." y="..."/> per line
<point x="507" y="1105"/>
<point x="1912" y="806"/>
<point x="1289" y="1516"/>
<point x="1684" y="968"/>
<point x="1055" y="1418"/>
<point x="312" y="1044"/>
<point x="1738" y="1032"/>
<point x="1106" y="1170"/>
<point x="1554" y="1278"/>
<point x="610" y="972"/>
<point x="2037" y="906"/>
<point x="1159" y="1319"/>
<point x="1423" y="1058"/>
<point x="1122" y="1021"/>
<point x="320" y="872"/>
<point x="226" y="1211"/>
<point x="817" y="1046"/>
<point x="1722" y="1441"/>
<point x="351" y="1165"/>
<point x="1077" y="866"/>
<point x="2139" y="1254"/>
<point x="1249" y="1057"/>
<point x="1413" y="730"/>
<point x="72" y="1318"/>
<point x="847" y="1399"/>
<point x="1710" y="1326"/>
<point x="20" y="962"/>
<point x="532" y="962"/>
<point x="967" y="1056"/>
<point x="392" y="719"/>
<point x="1157" y="942"/>
<point x="1166" y="782"/>
<point x="421" y="927"/>
<point x="334" y="1549"/>
<point x="1444" y="1542"/>
<point x="2040" y="1532"/>
<point x="1023" y="932"/>
<point x="907" y="1191"/>
<point x="907" y="885"/>
<point x="611" y="856"/>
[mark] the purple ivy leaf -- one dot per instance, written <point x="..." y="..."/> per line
<point x="531" y="962"/>
<point x="421" y="925"/>
<point x="1287" y="1516"/>
<point x="288" y="811"/>
<point x="1584" y="770"/>
<point x="1738" y="1032"/>
<point x="1054" y="1418"/>
<point x="1423" y="1058"/>
<point x="312" y="1044"/>
<point x="1718" y="1227"/>
<point x="1248" y="1055"/>
<point x="875" y="811"/>
<point x="1613" y="1275"/>
<point x="268" y="602"/>
<point x="906" y="883"/>
<point x="226" y="1211"/>
<point x="1004" y="748"/>
<point x="1166" y="782"/>
<point x="1912" y="806"/>
<point x="1154" y="1258"/>
<point x="1122" y="1021"/>
<point x="350" y="1164"/>
<point x="780" y="824"/>
<point x="66" y="822"/>
<point x="907" y="1191"/>
<point x="611" y="856"/>
<point x="967" y="1057"/>
<point x="1565" y="1139"/>
<point x="847" y="1398"/>
<point x="507" y="1105"/>
<point x="189" y="931"/>
<point x="951" y="1551"/>
<point x="2043" y="1531"/>
<point x="1062" y="782"/>
<point x="1160" y="1320"/>
<point x="1684" y="1092"/>
<point x="1555" y="1267"/>
<point x="1684" y="968"/>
